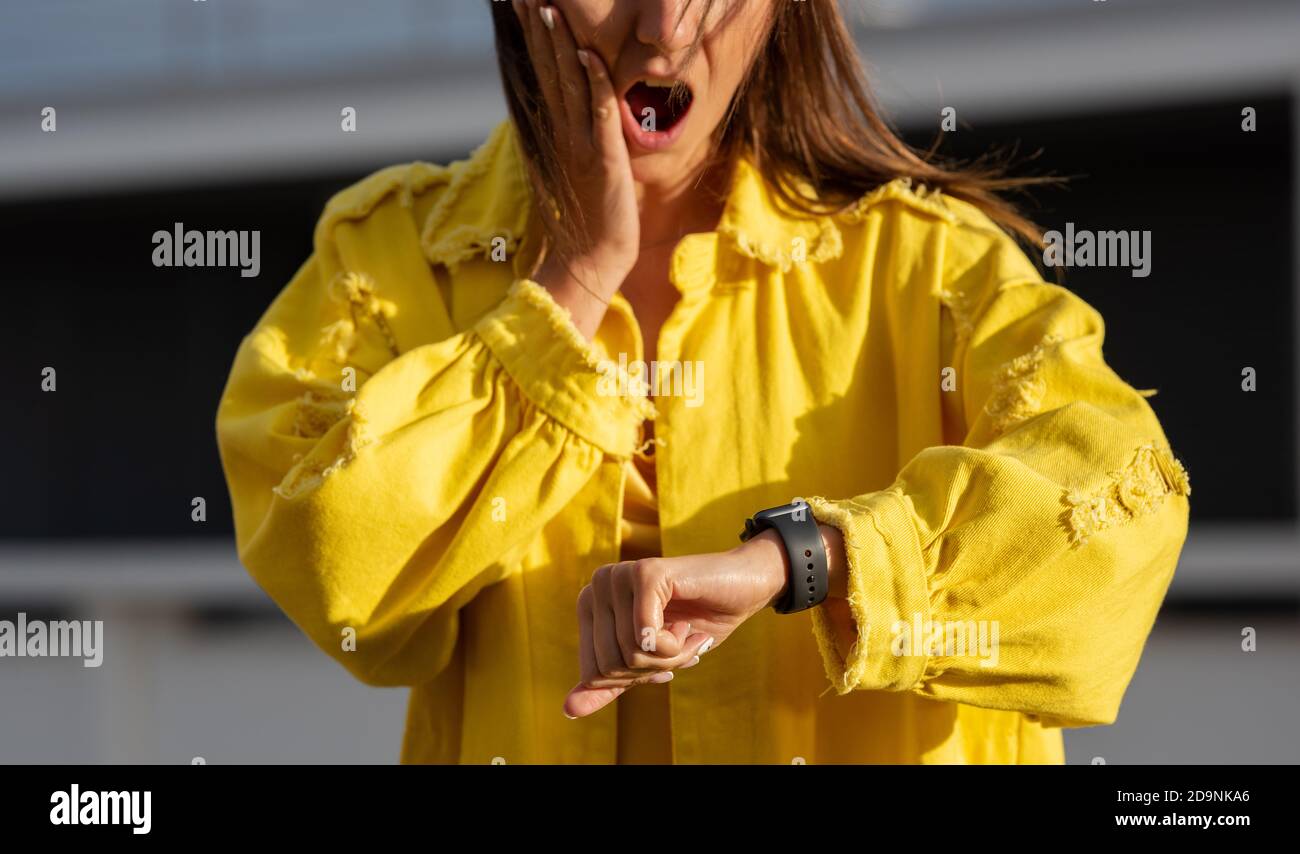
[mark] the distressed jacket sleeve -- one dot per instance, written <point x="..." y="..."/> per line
<point x="1022" y="569"/>
<point x="371" y="517"/>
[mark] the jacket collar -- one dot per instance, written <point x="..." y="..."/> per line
<point x="488" y="198"/>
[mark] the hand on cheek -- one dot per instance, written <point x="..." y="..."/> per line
<point x="583" y="110"/>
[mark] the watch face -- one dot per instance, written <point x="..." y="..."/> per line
<point x="784" y="510"/>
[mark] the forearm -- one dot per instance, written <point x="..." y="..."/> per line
<point x="574" y="287"/>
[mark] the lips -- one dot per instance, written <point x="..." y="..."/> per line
<point x="654" y="113"/>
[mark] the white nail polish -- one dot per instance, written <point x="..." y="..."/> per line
<point x="706" y="646"/>
<point x="548" y="17"/>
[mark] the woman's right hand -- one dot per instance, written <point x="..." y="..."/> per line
<point x="584" y="110"/>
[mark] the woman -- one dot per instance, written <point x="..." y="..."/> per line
<point x="447" y="421"/>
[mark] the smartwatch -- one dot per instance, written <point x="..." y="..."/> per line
<point x="808" y="583"/>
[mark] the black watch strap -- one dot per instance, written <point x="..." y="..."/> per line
<point x="808" y="582"/>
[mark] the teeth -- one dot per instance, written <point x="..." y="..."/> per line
<point x="657" y="84"/>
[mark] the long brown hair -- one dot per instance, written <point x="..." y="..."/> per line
<point x="803" y="112"/>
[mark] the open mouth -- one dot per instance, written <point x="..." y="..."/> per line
<point x="658" y="107"/>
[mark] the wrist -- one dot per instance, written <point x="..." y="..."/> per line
<point x="572" y="285"/>
<point x="597" y="275"/>
<point x="766" y="552"/>
<point x="837" y="564"/>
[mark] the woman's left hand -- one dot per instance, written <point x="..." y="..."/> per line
<point x="640" y="620"/>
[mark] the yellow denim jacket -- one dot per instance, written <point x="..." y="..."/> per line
<point x="427" y="463"/>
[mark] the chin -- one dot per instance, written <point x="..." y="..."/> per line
<point x="655" y="169"/>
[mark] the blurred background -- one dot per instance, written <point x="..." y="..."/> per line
<point x="225" y="114"/>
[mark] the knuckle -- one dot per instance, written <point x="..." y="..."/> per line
<point x="623" y="576"/>
<point x="600" y="580"/>
<point x="647" y="572"/>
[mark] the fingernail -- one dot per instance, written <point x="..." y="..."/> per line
<point x="694" y="661"/>
<point x="661" y="678"/>
<point x="706" y="646"/>
<point x="582" y="58"/>
<point x="570" y="717"/>
<point x="548" y="17"/>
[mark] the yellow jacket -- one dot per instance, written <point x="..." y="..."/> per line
<point x="427" y="463"/>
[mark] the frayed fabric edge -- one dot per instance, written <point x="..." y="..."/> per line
<point x="920" y="197"/>
<point x="962" y="307"/>
<point x="828" y="245"/>
<point x="844" y="674"/>
<point x="360" y="200"/>
<point x="1139" y="489"/>
<point x="1019" y="388"/>
<point x="561" y="324"/>
<point x="318" y="411"/>
<point x="355" y="292"/>
<point x="465" y="243"/>
<point x="308" y="475"/>
<point x="452" y="247"/>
